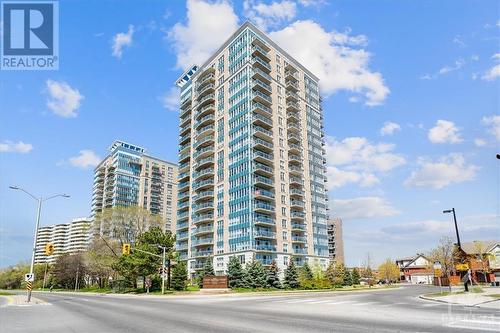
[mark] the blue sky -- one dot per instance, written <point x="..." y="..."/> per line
<point x="411" y="101"/>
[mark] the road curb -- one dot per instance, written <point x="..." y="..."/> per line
<point x="454" y="303"/>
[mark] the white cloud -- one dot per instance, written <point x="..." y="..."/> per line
<point x="63" y="100"/>
<point x="207" y="28"/>
<point x="307" y="3"/>
<point x="356" y="160"/>
<point x="170" y="100"/>
<point x="447" y="170"/>
<point x="479" y="142"/>
<point x="389" y="128"/>
<point x="458" y="40"/>
<point x="493" y="124"/>
<point x="269" y="15"/>
<point x="458" y="64"/>
<point x="334" y="57"/>
<point x="121" y="40"/>
<point x="362" y="208"/>
<point x="494" y="72"/>
<point x="8" y="146"/>
<point x="86" y="158"/>
<point x="444" y="132"/>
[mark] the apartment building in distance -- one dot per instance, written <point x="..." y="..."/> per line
<point x="335" y="240"/>
<point x="68" y="238"/>
<point x="252" y="176"/>
<point x="130" y="177"/>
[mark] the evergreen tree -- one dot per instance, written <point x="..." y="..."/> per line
<point x="256" y="275"/>
<point x="209" y="268"/>
<point x="179" y="276"/>
<point x="273" y="280"/>
<point x="291" y="279"/>
<point x="347" y="278"/>
<point x="335" y="274"/>
<point x="235" y="273"/>
<point x="355" y="276"/>
<point x="305" y="272"/>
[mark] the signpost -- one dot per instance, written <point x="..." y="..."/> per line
<point x="462" y="267"/>
<point x="438" y="273"/>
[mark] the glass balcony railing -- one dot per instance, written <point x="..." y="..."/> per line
<point x="261" y="97"/>
<point x="260" y="247"/>
<point x="261" y="108"/>
<point x="257" y="61"/>
<point x="262" y="75"/>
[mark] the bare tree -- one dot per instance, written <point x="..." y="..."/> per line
<point x="125" y="223"/>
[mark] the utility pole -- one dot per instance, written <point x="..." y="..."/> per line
<point x="76" y="278"/>
<point x="37" y="225"/>
<point x="163" y="272"/>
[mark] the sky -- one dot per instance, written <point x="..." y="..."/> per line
<point x="410" y="97"/>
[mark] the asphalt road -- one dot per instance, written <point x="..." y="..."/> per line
<point x="394" y="310"/>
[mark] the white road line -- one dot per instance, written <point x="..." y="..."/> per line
<point x="342" y="302"/>
<point x="319" y="302"/>
<point x="429" y="305"/>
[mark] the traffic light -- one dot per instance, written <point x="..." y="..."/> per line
<point x="126" y="249"/>
<point x="49" y="249"/>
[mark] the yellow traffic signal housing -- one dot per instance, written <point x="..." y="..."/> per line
<point x="126" y="249"/>
<point x="49" y="249"/>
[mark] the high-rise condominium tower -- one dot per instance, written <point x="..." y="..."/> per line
<point x="129" y="177"/>
<point x="335" y="240"/>
<point x="252" y="166"/>
<point x="67" y="238"/>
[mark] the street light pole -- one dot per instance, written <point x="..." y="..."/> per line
<point x="39" y="210"/>
<point x="456" y="226"/>
<point x="163" y="272"/>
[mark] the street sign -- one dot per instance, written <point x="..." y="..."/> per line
<point x="462" y="267"/>
<point x="438" y="273"/>
<point x="437" y="265"/>
<point x="30" y="277"/>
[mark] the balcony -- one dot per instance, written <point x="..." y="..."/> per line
<point x="298" y="227"/>
<point x="182" y="216"/>
<point x="186" y="111"/>
<point x="183" y="186"/>
<point x="184" y="167"/>
<point x="264" y="220"/>
<point x="208" y="229"/>
<point x="203" y="218"/>
<point x="260" y="63"/>
<point x="262" y="157"/>
<point x="202" y="241"/>
<point x="294" y="148"/>
<point x="204" y="173"/>
<point x="291" y="75"/>
<point x="299" y="239"/>
<point x="263" y="181"/>
<point x="185" y="138"/>
<point x="205" y="89"/>
<point x="206" y="130"/>
<point x="204" y="142"/>
<point x="300" y="250"/>
<point x="294" y="138"/>
<point x="262" y="109"/>
<point x="295" y="170"/>
<point x="292" y="85"/>
<point x="265" y="248"/>
<point x="262" y="133"/>
<point x="203" y="195"/>
<point x="292" y="106"/>
<point x="182" y="226"/>
<point x="262" y="86"/>
<point x="263" y="194"/>
<point x="293" y="116"/>
<point x="204" y="207"/>
<point x="262" y="98"/>
<point x="264" y="234"/>
<point x="262" y="169"/>
<point x="297" y="204"/>
<point x="297" y="215"/>
<point x="204" y="80"/>
<point x="262" y="121"/>
<point x="294" y="128"/>
<point x="204" y="163"/>
<point x="260" y="51"/>
<point x="261" y="75"/>
<point x="203" y="184"/>
<point x="210" y="98"/>
<point x="204" y="152"/>
<point x="184" y="157"/>
<point x="291" y="96"/>
<point x="182" y="235"/>
<point x="205" y="110"/>
<point x="208" y="119"/>
<point x="202" y="254"/>
<point x="182" y="196"/>
<point x="294" y="158"/>
<point x="186" y="102"/>
<point x="182" y="205"/>
<point x="296" y="181"/>
<point x="263" y="207"/>
<point x="185" y="125"/>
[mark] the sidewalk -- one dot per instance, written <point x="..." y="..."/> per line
<point x="489" y="298"/>
<point x="20" y="300"/>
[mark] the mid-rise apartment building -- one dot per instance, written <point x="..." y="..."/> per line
<point x="130" y="177"/>
<point x="252" y="176"/>
<point x="69" y="238"/>
<point x="335" y="240"/>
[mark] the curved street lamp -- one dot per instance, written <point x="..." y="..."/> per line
<point x="39" y="201"/>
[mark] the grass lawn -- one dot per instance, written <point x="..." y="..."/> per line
<point x="5" y="293"/>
